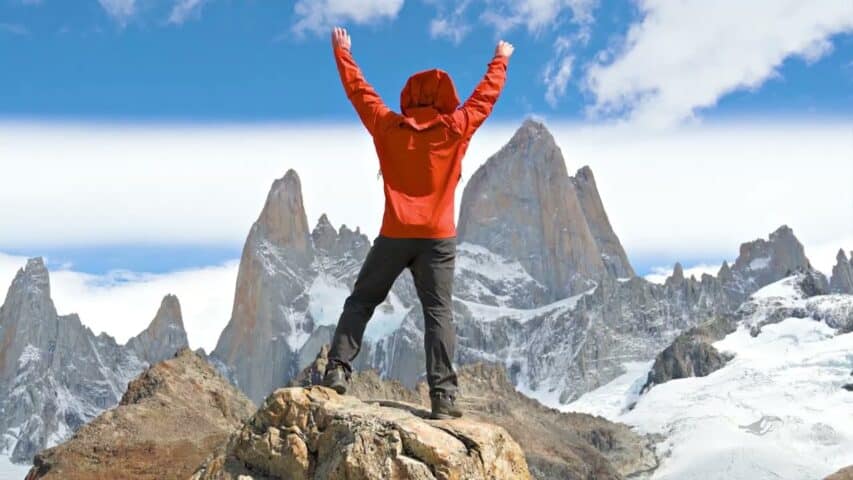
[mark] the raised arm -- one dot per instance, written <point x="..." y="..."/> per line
<point x="369" y="106"/>
<point x="479" y="105"/>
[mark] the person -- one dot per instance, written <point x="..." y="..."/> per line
<point x="420" y="154"/>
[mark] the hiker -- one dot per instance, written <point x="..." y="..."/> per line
<point x="420" y="154"/>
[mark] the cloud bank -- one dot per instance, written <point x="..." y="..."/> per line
<point x="688" y="194"/>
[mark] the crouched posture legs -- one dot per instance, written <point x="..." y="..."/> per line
<point x="431" y="262"/>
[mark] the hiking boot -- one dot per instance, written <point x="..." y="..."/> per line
<point x="444" y="406"/>
<point x="337" y="379"/>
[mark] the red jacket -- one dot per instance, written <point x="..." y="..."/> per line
<point x="420" y="152"/>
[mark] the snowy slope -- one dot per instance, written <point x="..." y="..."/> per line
<point x="776" y="411"/>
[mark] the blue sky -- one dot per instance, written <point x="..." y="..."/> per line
<point x="256" y="61"/>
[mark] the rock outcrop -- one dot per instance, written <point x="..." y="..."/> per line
<point x="169" y="420"/>
<point x="691" y="354"/>
<point x="314" y="433"/>
<point x="845" y="473"/>
<point x="522" y="205"/>
<point x="842" y="274"/>
<point x="55" y="373"/>
<point x="556" y="445"/>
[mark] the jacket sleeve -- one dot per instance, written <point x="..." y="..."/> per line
<point x="479" y="105"/>
<point x="369" y="106"/>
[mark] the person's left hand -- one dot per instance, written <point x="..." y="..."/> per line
<point x="340" y="38"/>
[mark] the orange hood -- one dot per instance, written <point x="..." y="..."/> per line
<point x="430" y="88"/>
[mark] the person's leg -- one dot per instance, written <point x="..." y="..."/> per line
<point x="385" y="260"/>
<point x="432" y="271"/>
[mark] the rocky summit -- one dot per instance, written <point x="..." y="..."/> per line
<point x="522" y="205"/>
<point x="55" y="373"/>
<point x="169" y="420"/>
<point x="314" y="433"/>
<point x="556" y="445"/>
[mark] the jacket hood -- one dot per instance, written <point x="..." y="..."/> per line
<point x="429" y="88"/>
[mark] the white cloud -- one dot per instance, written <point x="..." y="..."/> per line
<point x="685" y="55"/>
<point x="123" y="304"/>
<point x="660" y="274"/>
<point x="320" y="15"/>
<point x="558" y="71"/>
<point x="451" y="25"/>
<point x="535" y="15"/>
<point x="14" y="29"/>
<point x="184" y="9"/>
<point x="120" y="10"/>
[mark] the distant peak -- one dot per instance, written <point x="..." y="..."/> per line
<point x="781" y="232"/>
<point x="841" y="257"/>
<point x="33" y="277"/>
<point x="532" y="131"/>
<point x="170" y="310"/>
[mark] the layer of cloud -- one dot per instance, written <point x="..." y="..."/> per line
<point x="123" y="304"/>
<point x="687" y="194"/>
<point x="683" y="56"/>
<point x="320" y="15"/>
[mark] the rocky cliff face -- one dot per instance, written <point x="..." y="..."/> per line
<point x="522" y="204"/>
<point x="55" y="373"/>
<point x="842" y="274"/>
<point x="314" y="433"/>
<point x="169" y="420"/>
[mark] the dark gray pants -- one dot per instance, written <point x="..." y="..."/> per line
<point x="431" y="262"/>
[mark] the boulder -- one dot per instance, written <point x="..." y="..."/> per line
<point x="314" y="433"/>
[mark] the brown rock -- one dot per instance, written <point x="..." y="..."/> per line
<point x="169" y="420"/>
<point x="845" y="473"/>
<point x="314" y="433"/>
<point x="556" y="445"/>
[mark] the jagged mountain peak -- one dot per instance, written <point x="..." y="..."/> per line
<point x="841" y="256"/>
<point x="282" y="221"/>
<point x="781" y="254"/>
<point x="523" y="205"/>
<point x="33" y="278"/>
<point x="165" y="334"/>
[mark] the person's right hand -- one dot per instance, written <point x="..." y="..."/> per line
<point x="504" y="49"/>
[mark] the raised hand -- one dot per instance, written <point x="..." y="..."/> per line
<point x="504" y="49"/>
<point x="340" y="38"/>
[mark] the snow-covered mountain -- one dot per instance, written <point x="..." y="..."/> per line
<point x="542" y="285"/>
<point x="777" y="409"/>
<point x="55" y="373"/>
